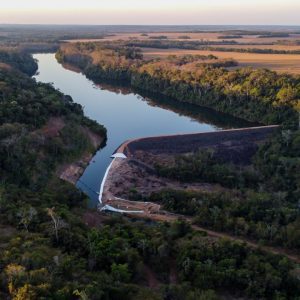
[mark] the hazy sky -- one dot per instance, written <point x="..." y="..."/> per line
<point x="262" y="12"/>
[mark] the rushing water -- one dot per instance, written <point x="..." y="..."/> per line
<point x="125" y="114"/>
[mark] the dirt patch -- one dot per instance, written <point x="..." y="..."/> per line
<point x="95" y="138"/>
<point x="137" y="173"/>
<point x="71" y="172"/>
<point x="152" y="281"/>
<point x="4" y="66"/>
<point x="128" y="175"/>
<point x="94" y="219"/>
<point x="53" y="127"/>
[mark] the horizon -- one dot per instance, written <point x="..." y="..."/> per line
<point x="132" y="12"/>
<point x="151" y="25"/>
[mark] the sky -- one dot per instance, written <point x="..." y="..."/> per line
<point x="154" y="12"/>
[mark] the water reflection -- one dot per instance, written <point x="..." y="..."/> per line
<point x="126" y="115"/>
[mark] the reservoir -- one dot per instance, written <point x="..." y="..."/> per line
<point x="126" y="114"/>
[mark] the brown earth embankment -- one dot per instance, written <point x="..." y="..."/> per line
<point x="236" y="145"/>
<point x="137" y="171"/>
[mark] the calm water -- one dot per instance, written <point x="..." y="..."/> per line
<point x="126" y="115"/>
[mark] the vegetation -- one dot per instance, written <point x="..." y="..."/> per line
<point x="184" y="37"/>
<point x="48" y="251"/>
<point x="40" y="129"/>
<point x="19" y="60"/>
<point x="255" y="95"/>
<point x="258" y="201"/>
<point x="274" y="35"/>
<point x="110" y="263"/>
<point x="184" y="44"/>
<point x="228" y="37"/>
<point x="251" y="50"/>
<point x="159" y="37"/>
<point x="31" y="146"/>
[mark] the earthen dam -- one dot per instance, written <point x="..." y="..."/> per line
<point x="132" y="161"/>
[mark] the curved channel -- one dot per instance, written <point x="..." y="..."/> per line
<point x="126" y="115"/>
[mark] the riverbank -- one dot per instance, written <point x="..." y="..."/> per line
<point x="136" y="172"/>
<point x="125" y="115"/>
<point x="193" y="79"/>
<point x="132" y="173"/>
<point x="71" y="172"/>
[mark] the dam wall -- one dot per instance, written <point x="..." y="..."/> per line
<point x="236" y="145"/>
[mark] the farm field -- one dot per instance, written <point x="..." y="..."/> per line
<point x="262" y="46"/>
<point x="281" y="63"/>
<point x="210" y="36"/>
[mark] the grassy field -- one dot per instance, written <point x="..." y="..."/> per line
<point x="246" y="39"/>
<point x="263" y="46"/>
<point x="278" y="62"/>
<point x="289" y="63"/>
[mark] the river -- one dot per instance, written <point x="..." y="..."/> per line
<point x="125" y="114"/>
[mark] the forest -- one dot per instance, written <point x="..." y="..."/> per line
<point x="48" y="251"/>
<point x="260" y="95"/>
<point x="259" y="201"/>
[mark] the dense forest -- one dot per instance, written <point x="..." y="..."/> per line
<point x="19" y="60"/>
<point x="48" y="251"/>
<point x="259" y="201"/>
<point x="34" y="203"/>
<point x="255" y="95"/>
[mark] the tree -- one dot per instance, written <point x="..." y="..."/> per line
<point x="82" y="294"/>
<point x="15" y="274"/>
<point x="26" y="215"/>
<point x="25" y="293"/>
<point x="57" y="221"/>
<point x="120" y="272"/>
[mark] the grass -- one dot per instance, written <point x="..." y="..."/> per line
<point x="193" y="37"/>
<point x="281" y="63"/>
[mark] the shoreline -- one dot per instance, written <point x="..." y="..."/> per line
<point x="169" y="145"/>
<point x="153" y="211"/>
<point x="71" y="172"/>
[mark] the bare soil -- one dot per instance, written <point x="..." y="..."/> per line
<point x="71" y="172"/>
<point x="133" y="174"/>
<point x="94" y="219"/>
<point x="53" y="127"/>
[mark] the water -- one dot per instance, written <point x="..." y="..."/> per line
<point x="125" y="114"/>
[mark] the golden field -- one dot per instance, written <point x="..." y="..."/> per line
<point x="289" y="63"/>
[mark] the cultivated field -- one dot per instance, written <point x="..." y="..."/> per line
<point x="282" y="63"/>
<point x="263" y="46"/>
<point x="216" y="36"/>
<point x="289" y="63"/>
